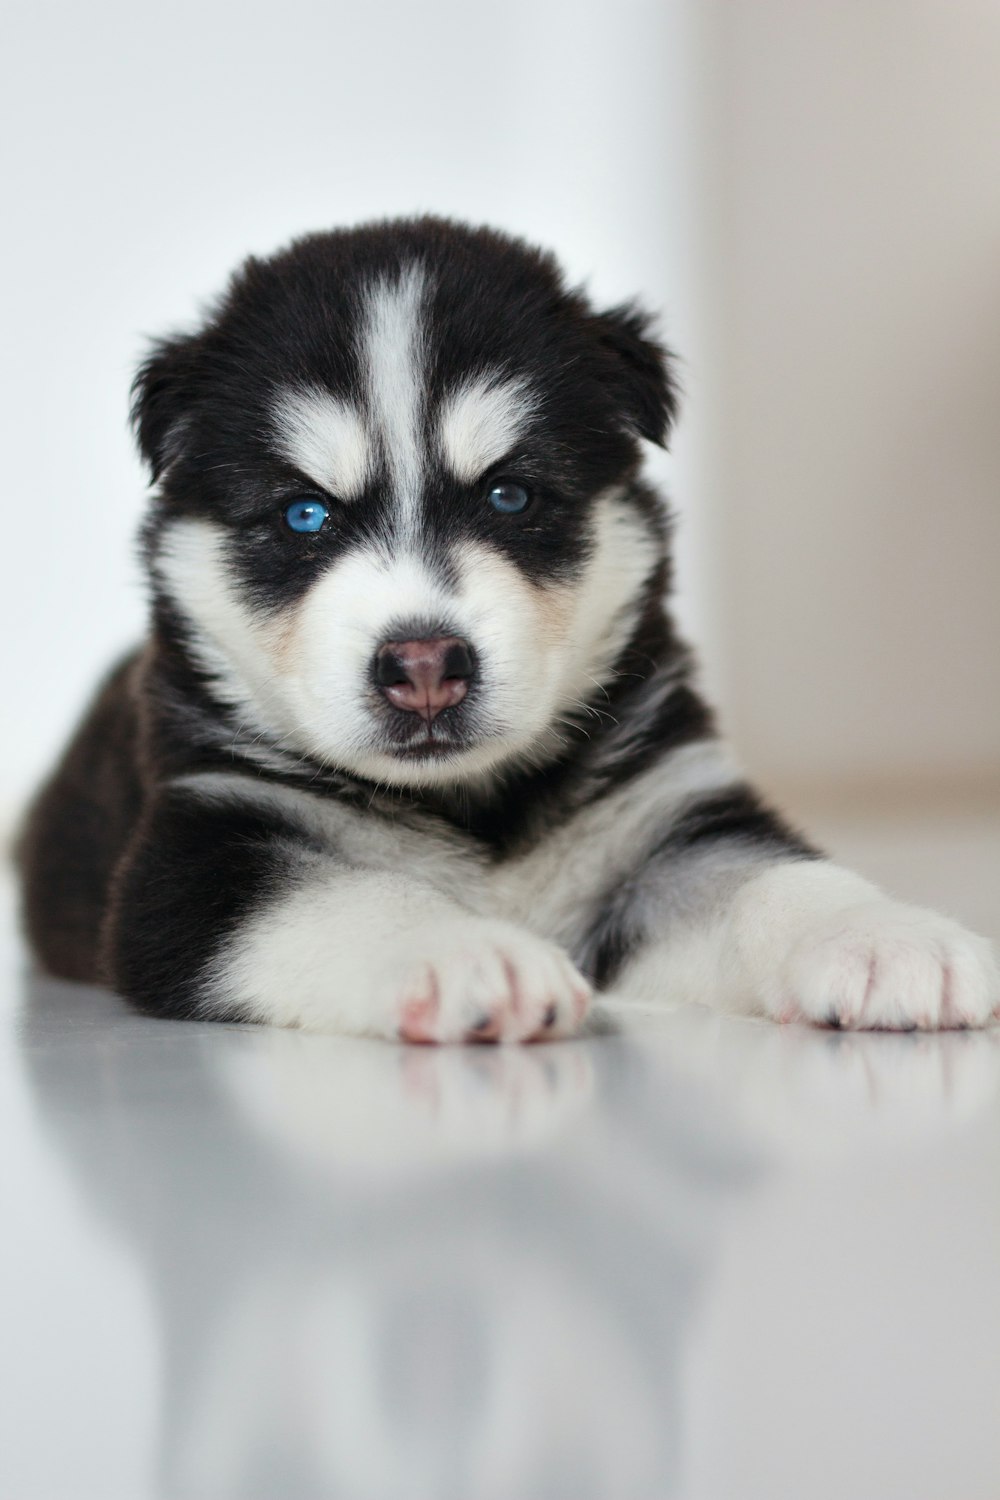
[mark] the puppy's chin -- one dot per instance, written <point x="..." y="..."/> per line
<point x="419" y="764"/>
<point x="461" y="756"/>
<point x="466" y="756"/>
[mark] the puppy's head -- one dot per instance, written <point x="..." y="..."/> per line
<point x="394" y="512"/>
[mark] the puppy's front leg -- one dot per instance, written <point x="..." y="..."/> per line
<point x="381" y="955"/>
<point x="812" y="941"/>
<point x="725" y="917"/>
<point x="233" y="913"/>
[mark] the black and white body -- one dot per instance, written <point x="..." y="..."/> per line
<point x="413" y="749"/>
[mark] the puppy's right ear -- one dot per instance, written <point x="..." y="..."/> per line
<point x="639" y="370"/>
<point x="163" y="393"/>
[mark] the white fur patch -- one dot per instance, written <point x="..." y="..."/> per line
<point x="382" y="955"/>
<point x="325" y="438"/>
<point x="393" y="350"/>
<point x="230" y="645"/>
<point x="340" y="623"/>
<point x="605" y="604"/>
<point x="482" y="421"/>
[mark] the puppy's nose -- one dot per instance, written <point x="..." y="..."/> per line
<point x="424" y="677"/>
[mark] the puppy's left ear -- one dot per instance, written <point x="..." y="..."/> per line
<point x="163" y="392"/>
<point x="640" y="370"/>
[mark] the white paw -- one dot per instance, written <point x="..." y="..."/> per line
<point x="882" y="964"/>
<point x="474" y="979"/>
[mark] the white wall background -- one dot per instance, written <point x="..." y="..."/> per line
<point x="150" y="148"/>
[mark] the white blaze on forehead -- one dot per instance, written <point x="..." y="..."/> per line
<point x="482" y="421"/>
<point x="325" y="438"/>
<point x="393" y="350"/>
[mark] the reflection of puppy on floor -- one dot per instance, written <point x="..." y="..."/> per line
<point x="396" y="1110"/>
<point x="340" y="1312"/>
<point x="413" y="747"/>
<point x="799" y="1092"/>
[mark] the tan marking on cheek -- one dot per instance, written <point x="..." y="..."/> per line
<point x="550" y="607"/>
<point x="554" y="605"/>
<point x="283" y="638"/>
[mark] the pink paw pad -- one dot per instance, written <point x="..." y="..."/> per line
<point x="417" y="1020"/>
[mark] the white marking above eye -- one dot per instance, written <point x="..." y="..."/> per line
<point x="482" y="420"/>
<point x="325" y="438"/>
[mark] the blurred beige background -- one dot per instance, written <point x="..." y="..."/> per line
<point x="858" y="431"/>
<point x="809" y="191"/>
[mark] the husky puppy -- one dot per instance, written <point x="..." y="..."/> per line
<point x="413" y="749"/>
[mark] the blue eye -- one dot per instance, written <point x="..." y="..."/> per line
<point x="509" y="499"/>
<point x="306" y="515"/>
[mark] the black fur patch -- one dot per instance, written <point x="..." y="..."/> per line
<point x="737" y="813"/>
<point x="192" y="872"/>
<point x="80" y="822"/>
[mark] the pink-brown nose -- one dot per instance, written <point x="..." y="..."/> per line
<point x="424" y="677"/>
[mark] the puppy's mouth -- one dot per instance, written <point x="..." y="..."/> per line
<point x="428" y="749"/>
<point x="430" y="739"/>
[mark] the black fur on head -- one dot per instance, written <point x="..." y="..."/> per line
<point x="290" y="317"/>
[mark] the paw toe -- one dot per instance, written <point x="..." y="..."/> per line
<point x="418" y="1020"/>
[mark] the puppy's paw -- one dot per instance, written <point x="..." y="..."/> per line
<point x="884" y="965"/>
<point x="473" y="979"/>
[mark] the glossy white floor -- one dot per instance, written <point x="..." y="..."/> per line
<point x="690" y="1258"/>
